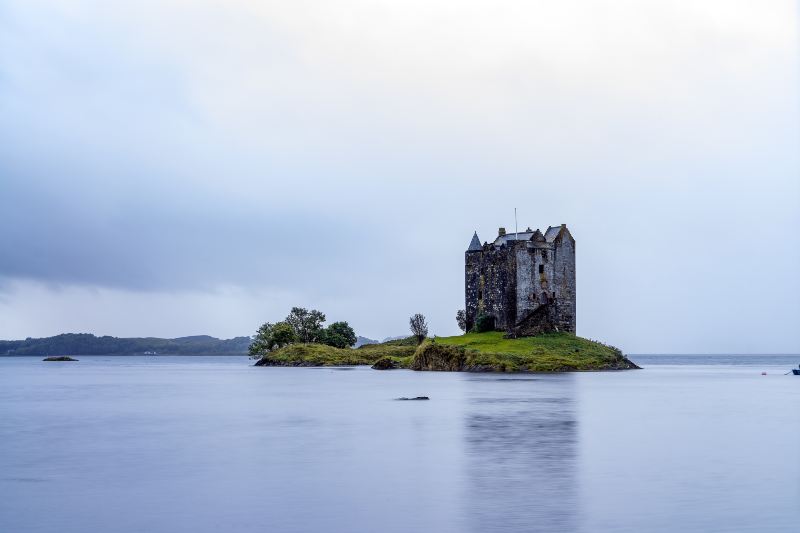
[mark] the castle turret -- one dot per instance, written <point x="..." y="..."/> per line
<point x="475" y="243"/>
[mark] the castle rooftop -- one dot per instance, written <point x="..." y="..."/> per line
<point x="475" y="243"/>
<point x="552" y="232"/>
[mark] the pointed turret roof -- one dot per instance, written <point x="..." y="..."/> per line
<point x="475" y="244"/>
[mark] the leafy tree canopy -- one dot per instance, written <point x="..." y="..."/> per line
<point x="307" y="324"/>
<point x="283" y="334"/>
<point x="262" y="340"/>
<point x="272" y="336"/>
<point x="339" y="335"/>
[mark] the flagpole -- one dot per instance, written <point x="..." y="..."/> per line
<point x="516" y="229"/>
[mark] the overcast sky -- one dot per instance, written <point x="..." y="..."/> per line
<point x="172" y="168"/>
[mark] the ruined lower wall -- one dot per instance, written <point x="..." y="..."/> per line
<point x="546" y="318"/>
<point x="539" y="321"/>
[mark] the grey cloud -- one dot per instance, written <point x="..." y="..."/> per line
<point x="284" y="153"/>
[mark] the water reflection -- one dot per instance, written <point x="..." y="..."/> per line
<point x="521" y="447"/>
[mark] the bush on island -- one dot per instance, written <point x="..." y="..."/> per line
<point x="484" y="323"/>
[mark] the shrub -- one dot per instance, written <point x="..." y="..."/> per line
<point x="461" y="319"/>
<point x="484" y="323"/>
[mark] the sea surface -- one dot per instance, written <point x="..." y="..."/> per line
<point x="213" y="444"/>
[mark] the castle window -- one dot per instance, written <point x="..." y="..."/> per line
<point x="541" y="269"/>
<point x="480" y="295"/>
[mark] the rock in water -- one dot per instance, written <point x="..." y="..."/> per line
<point x="59" y="358"/>
<point x="384" y="363"/>
<point x="415" y="398"/>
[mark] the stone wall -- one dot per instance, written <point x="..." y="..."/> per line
<point x="526" y="285"/>
<point x="564" y="277"/>
<point x="490" y="286"/>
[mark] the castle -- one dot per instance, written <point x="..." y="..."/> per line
<point x="524" y="282"/>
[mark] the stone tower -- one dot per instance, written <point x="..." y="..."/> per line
<point x="525" y="281"/>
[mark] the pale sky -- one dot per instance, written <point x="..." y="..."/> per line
<point x="172" y="168"/>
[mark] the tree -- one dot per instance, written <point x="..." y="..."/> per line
<point x="339" y="335"/>
<point x="283" y="334"/>
<point x="419" y="327"/>
<point x="307" y="324"/>
<point x="262" y="341"/>
<point x="461" y="318"/>
<point x="271" y="336"/>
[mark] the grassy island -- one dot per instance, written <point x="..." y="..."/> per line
<point x="401" y="352"/>
<point x="492" y="352"/>
<point x="472" y="352"/>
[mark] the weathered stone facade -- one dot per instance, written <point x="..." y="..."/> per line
<point x="525" y="281"/>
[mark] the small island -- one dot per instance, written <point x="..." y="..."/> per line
<point x="520" y="296"/>
<point x="471" y="352"/>
<point x="59" y="358"/>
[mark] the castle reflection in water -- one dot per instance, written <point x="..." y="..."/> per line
<point x="521" y="453"/>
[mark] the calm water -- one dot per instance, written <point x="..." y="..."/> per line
<point x="211" y="444"/>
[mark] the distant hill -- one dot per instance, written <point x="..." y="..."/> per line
<point x="364" y="340"/>
<point x="88" y="344"/>
<point x="361" y="341"/>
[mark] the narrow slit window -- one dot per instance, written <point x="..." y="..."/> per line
<point x="541" y="269"/>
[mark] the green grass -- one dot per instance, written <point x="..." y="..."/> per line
<point x="551" y="352"/>
<point x="388" y="349"/>
<point x="547" y="343"/>
<point x="322" y="355"/>
<point x="489" y="352"/>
